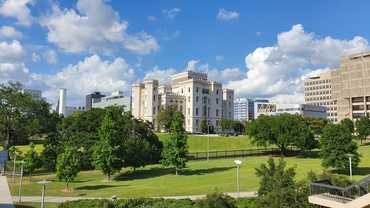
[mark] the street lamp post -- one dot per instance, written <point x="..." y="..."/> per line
<point x="15" y="156"/>
<point x="208" y="142"/>
<point x="43" y="183"/>
<point x="350" y="165"/>
<point x="238" y="163"/>
<point x="20" y="181"/>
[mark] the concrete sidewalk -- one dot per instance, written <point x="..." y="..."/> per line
<point x="6" y="200"/>
<point x="64" y="199"/>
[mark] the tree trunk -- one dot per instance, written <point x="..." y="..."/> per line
<point x="67" y="185"/>
<point x="108" y="177"/>
<point x="30" y="175"/>
<point x="177" y="173"/>
<point x="134" y="169"/>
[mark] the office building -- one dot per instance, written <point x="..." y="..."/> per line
<point x="91" y="98"/>
<point x="276" y="108"/>
<point x="244" y="108"/>
<point x="116" y="98"/>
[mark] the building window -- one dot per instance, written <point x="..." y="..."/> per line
<point x="217" y="112"/>
<point x="229" y="114"/>
<point x="189" y="99"/>
<point x="182" y="91"/>
<point x="229" y="104"/>
<point x="153" y="97"/>
<point x="229" y="96"/>
<point x="154" y="111"/>
<point x="196" y="122"/>
<point x="196" y="99"/>
<point x="197" y="89"/>
<point x="196" y="111"/>
<point x="188" y="111"/>
<point x="188" y="122"/>
<point x="205" y="100"/>
<point x="217" y="101"/>
<point x="216" y="122"/>
<point x="170" y="101"/>
<point x="216" y="92"/>
<point x="153" y="88"/>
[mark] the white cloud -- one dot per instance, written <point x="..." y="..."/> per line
<point x="176" y="34"/>
<point x="50" y="56"/>
<point x="15" y="72"/>
<point x="17" y="9"/>
<point x="258" y="33"/>
<point x="9" y="32"/>
<point x="279" y="71"/>
<point x="191" y="65"/>
<point x="171" y="13"/>
<point x="35" y="57"/>
<point x="163" y="76"/>
<point x="152" y="18"/>
<point x="92" y="74"/>
<point x="94" y="27"/>
<point x="233" y="74"/>
<point x="219" y="58"/>
<point x="14" y="52"/>
<point x="225" y="15"/>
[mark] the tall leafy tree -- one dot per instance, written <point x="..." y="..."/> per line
<point x="349" y="125"/>
<point x="108" y="151"/>
<point x="68" y="165"/>
<point x="175" y="150"/>
<point x="33" y="160"/>
<point x="165" y="116"/>
<point x="20" y="114"/>
<point x="226" y="123"/>
<point x="281" y="130"/>
<point x="335" y="145"/>
<point x="203" y="125"/>
<point x="316" y="124"/>
<point x="362" y="128"/>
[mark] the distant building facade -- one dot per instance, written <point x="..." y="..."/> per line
<point x="347" y="88"/>
<point x="116" y="98"/>
<point x="244" y="108"/>
<point x="193" y="95"/>
<point x="302" y="109"/>
<point x="36" y="94"/>
<point x="91" y="98"/>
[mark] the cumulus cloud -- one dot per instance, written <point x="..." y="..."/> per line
<point x="50" y="56"/>
<point x="258" y="33"/>
<point x="17" y="9"/>
<point x="93" y="27"/>
<point x="92" y="74"/>
<point x="35" y="57"/>
<point x="232" y="74"/>
<point x="163" y="76"/>
<point x="280" y="70"/>
<point x="219" y="58"/>
<point x="192" y="65"/>
<point x="171" y="13"/>
<point x="225" y="15"/>
<point x="14" y="71"/>
<point x="10" y="32"/>
<point x="14" y="52"/>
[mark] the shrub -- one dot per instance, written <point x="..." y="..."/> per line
<point x="216" y="199"/>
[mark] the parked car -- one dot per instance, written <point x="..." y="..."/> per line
<point x="198" y="132"/>
<point x="188" y="132"/>
<point x="231" y="133"/>
<point x="223" y="134"/>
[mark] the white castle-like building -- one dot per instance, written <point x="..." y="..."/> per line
<point x="193" y="95"/>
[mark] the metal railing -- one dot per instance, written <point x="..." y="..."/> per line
<point x="345" y="194"/>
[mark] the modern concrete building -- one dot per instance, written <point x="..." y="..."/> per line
<point x="36" y="94"/>
<point x="62" y="101"/>
<point x="193" y="95"/>
<point x="317" y="91"/>
<point x="116" y="98"/>
<point x="244" y="108"/>
<point x="302" y="109"/>
<point x="349" y="92"/>
<point x="92" y="98"/>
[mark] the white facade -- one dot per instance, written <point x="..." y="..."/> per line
<point x="302" y="109"/>
<point x="62" y="101"/>
<point x="244" y="108"/>
<point x="36" y="94"/>
<point x="193" y="94"/>
<point x="116" y="98"/>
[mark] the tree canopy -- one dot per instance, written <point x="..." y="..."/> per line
<point x="175" y="150"/>
<point x="363" y="127"/>
<point x="281" y="130"/>
<point x="21" y="116"/>
<point x="335" y="145"/>
<point x="68" y="165"/>
<point x="33" y="160"/>
<point x="165" y="116"/>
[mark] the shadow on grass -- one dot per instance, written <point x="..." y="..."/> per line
<point x="305" y="154"/>
<point x="18" y="206"/>
<point x="156" y="172"/>
<point x="98" y="187"/>
<point x="361" y="171"/>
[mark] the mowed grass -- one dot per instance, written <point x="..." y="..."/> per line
<point x="200" y="177"/>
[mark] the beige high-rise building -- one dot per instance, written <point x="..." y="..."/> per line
<point x="349" y="92"/>
<point x="193" y="94"/>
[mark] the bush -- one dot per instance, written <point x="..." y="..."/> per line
<point x="216" y="199"/>
<point x="101" y="203"/>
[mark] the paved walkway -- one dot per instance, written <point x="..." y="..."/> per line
<point x="6" y="200"/>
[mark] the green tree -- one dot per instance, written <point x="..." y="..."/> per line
<point x="108" y="151"/>
<point x="335" y="145"/>
<point x="217" y="199"/>
<point x="316" y="124"/>
<point x="175" y="150"/>
<point x="226" y="123"/>
<point x="363" y="127"/>
<point x="20" y="114"/>
<point x="68" y="165"/>
<point x="281" y="130"/>
<point x="203" y="125"/>
<point x="33" y="160"/>
<point x="137" y="151"/>
<point x="165" y="116"/>
<point x="349" y="125"/>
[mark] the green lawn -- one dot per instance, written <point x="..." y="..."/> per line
<point x="200" y="177"/>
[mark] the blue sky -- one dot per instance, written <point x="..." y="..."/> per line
<point x="261" y="49"/>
